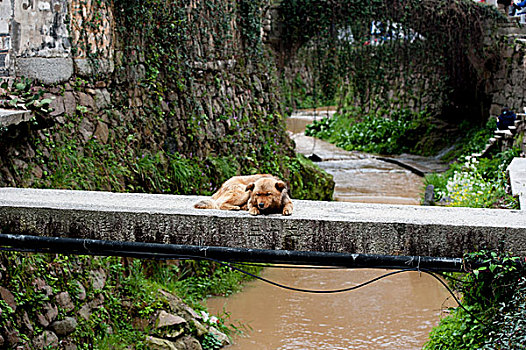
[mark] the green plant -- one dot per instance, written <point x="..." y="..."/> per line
<point x="494" y="295"/>
<point x="373" y="133"/>
<point x="211" y="342"/>
<point x="24" y="94"/>
<point x="478" y="183"/>
<point x="6" y="313"/>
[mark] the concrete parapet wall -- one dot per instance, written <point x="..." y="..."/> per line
<point x="314" y="226"/>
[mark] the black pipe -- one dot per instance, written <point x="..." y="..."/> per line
<point x="80" y="246"/>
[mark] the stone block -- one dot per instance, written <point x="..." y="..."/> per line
<point x="48" y="71"/>
<point x="46" y="340"/>
<point x="65" y="326"/>
<point x="88" y="68"/>
<point x="165" y="319"/>
<point x="102" y="98"/>
<point x="160" y="344"/>
<point x="86" y="100"/>
<point x="57" y="104"/>
<point x="102" y="132"/>
<point x="98" y="279"/>
<point x="14" y="117"/>
<point x="86" y="129"/>
<point x="8" y="297"/>
<point x="64" y="301"/>
<point x="70" y="103"/>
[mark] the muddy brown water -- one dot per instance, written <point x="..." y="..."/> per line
<point x="397" y="312"/>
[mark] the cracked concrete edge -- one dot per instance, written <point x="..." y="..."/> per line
<point x="314" y="226"/>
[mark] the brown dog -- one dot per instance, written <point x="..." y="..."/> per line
<point x="259" y="194"/>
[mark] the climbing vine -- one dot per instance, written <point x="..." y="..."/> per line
<point x="391" y="55"/>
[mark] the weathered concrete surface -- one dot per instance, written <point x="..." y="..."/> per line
<point x="46" y="70"/>
<point x="13" y="117"/>
<point x="315" y="226"/>
<point x="517" y="173"/>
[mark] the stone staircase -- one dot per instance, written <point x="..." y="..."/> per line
<point x="503" y="140"/>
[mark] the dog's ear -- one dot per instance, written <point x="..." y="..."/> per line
<point x="280" y="186"/>
<point x="249" y="187"/>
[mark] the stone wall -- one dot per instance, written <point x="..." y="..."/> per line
<point x="58" y="302"/>
<point x="133" y="113"/>
<point x="40" y="40"/>
<point x="506" y="81"/>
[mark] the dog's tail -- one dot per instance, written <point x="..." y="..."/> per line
<point x="206" y="204"/>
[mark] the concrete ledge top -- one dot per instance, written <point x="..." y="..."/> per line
<point x="304" y="210"/>
<point x="13" y="116"/>
<point x="517" y="173"/>
<point x="314" y="225"/>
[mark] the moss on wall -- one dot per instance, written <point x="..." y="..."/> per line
<point x="191" y="101"/>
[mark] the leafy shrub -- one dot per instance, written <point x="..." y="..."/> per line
<point x="495" y="296"/>
<point x="476" y="183"/>
<point x="473" y="139"/>
<point x="375" y="133"/>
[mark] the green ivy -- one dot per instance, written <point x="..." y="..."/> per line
<point x="418" y="56"/>
<point x="495" y="296"/>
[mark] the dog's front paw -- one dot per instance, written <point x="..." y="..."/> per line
<point x="253" y="211"/>
<point x="287" y="211"/>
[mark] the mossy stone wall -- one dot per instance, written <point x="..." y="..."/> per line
<point x="172" y="97"/>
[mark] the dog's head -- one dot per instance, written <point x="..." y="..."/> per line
<point x="266" y="193"/>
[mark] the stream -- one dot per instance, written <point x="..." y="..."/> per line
<point x="397" y="312"/>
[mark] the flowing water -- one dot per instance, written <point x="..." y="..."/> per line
<point x="397" y="312"/>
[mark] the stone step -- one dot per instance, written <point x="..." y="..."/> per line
<point x="505" y="133"/>
<point x="13" y="116"/>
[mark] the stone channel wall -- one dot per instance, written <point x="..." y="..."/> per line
<point x="54" y="303"/>
<point x="507" y="82"/>
<point x="200" y="103"/>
